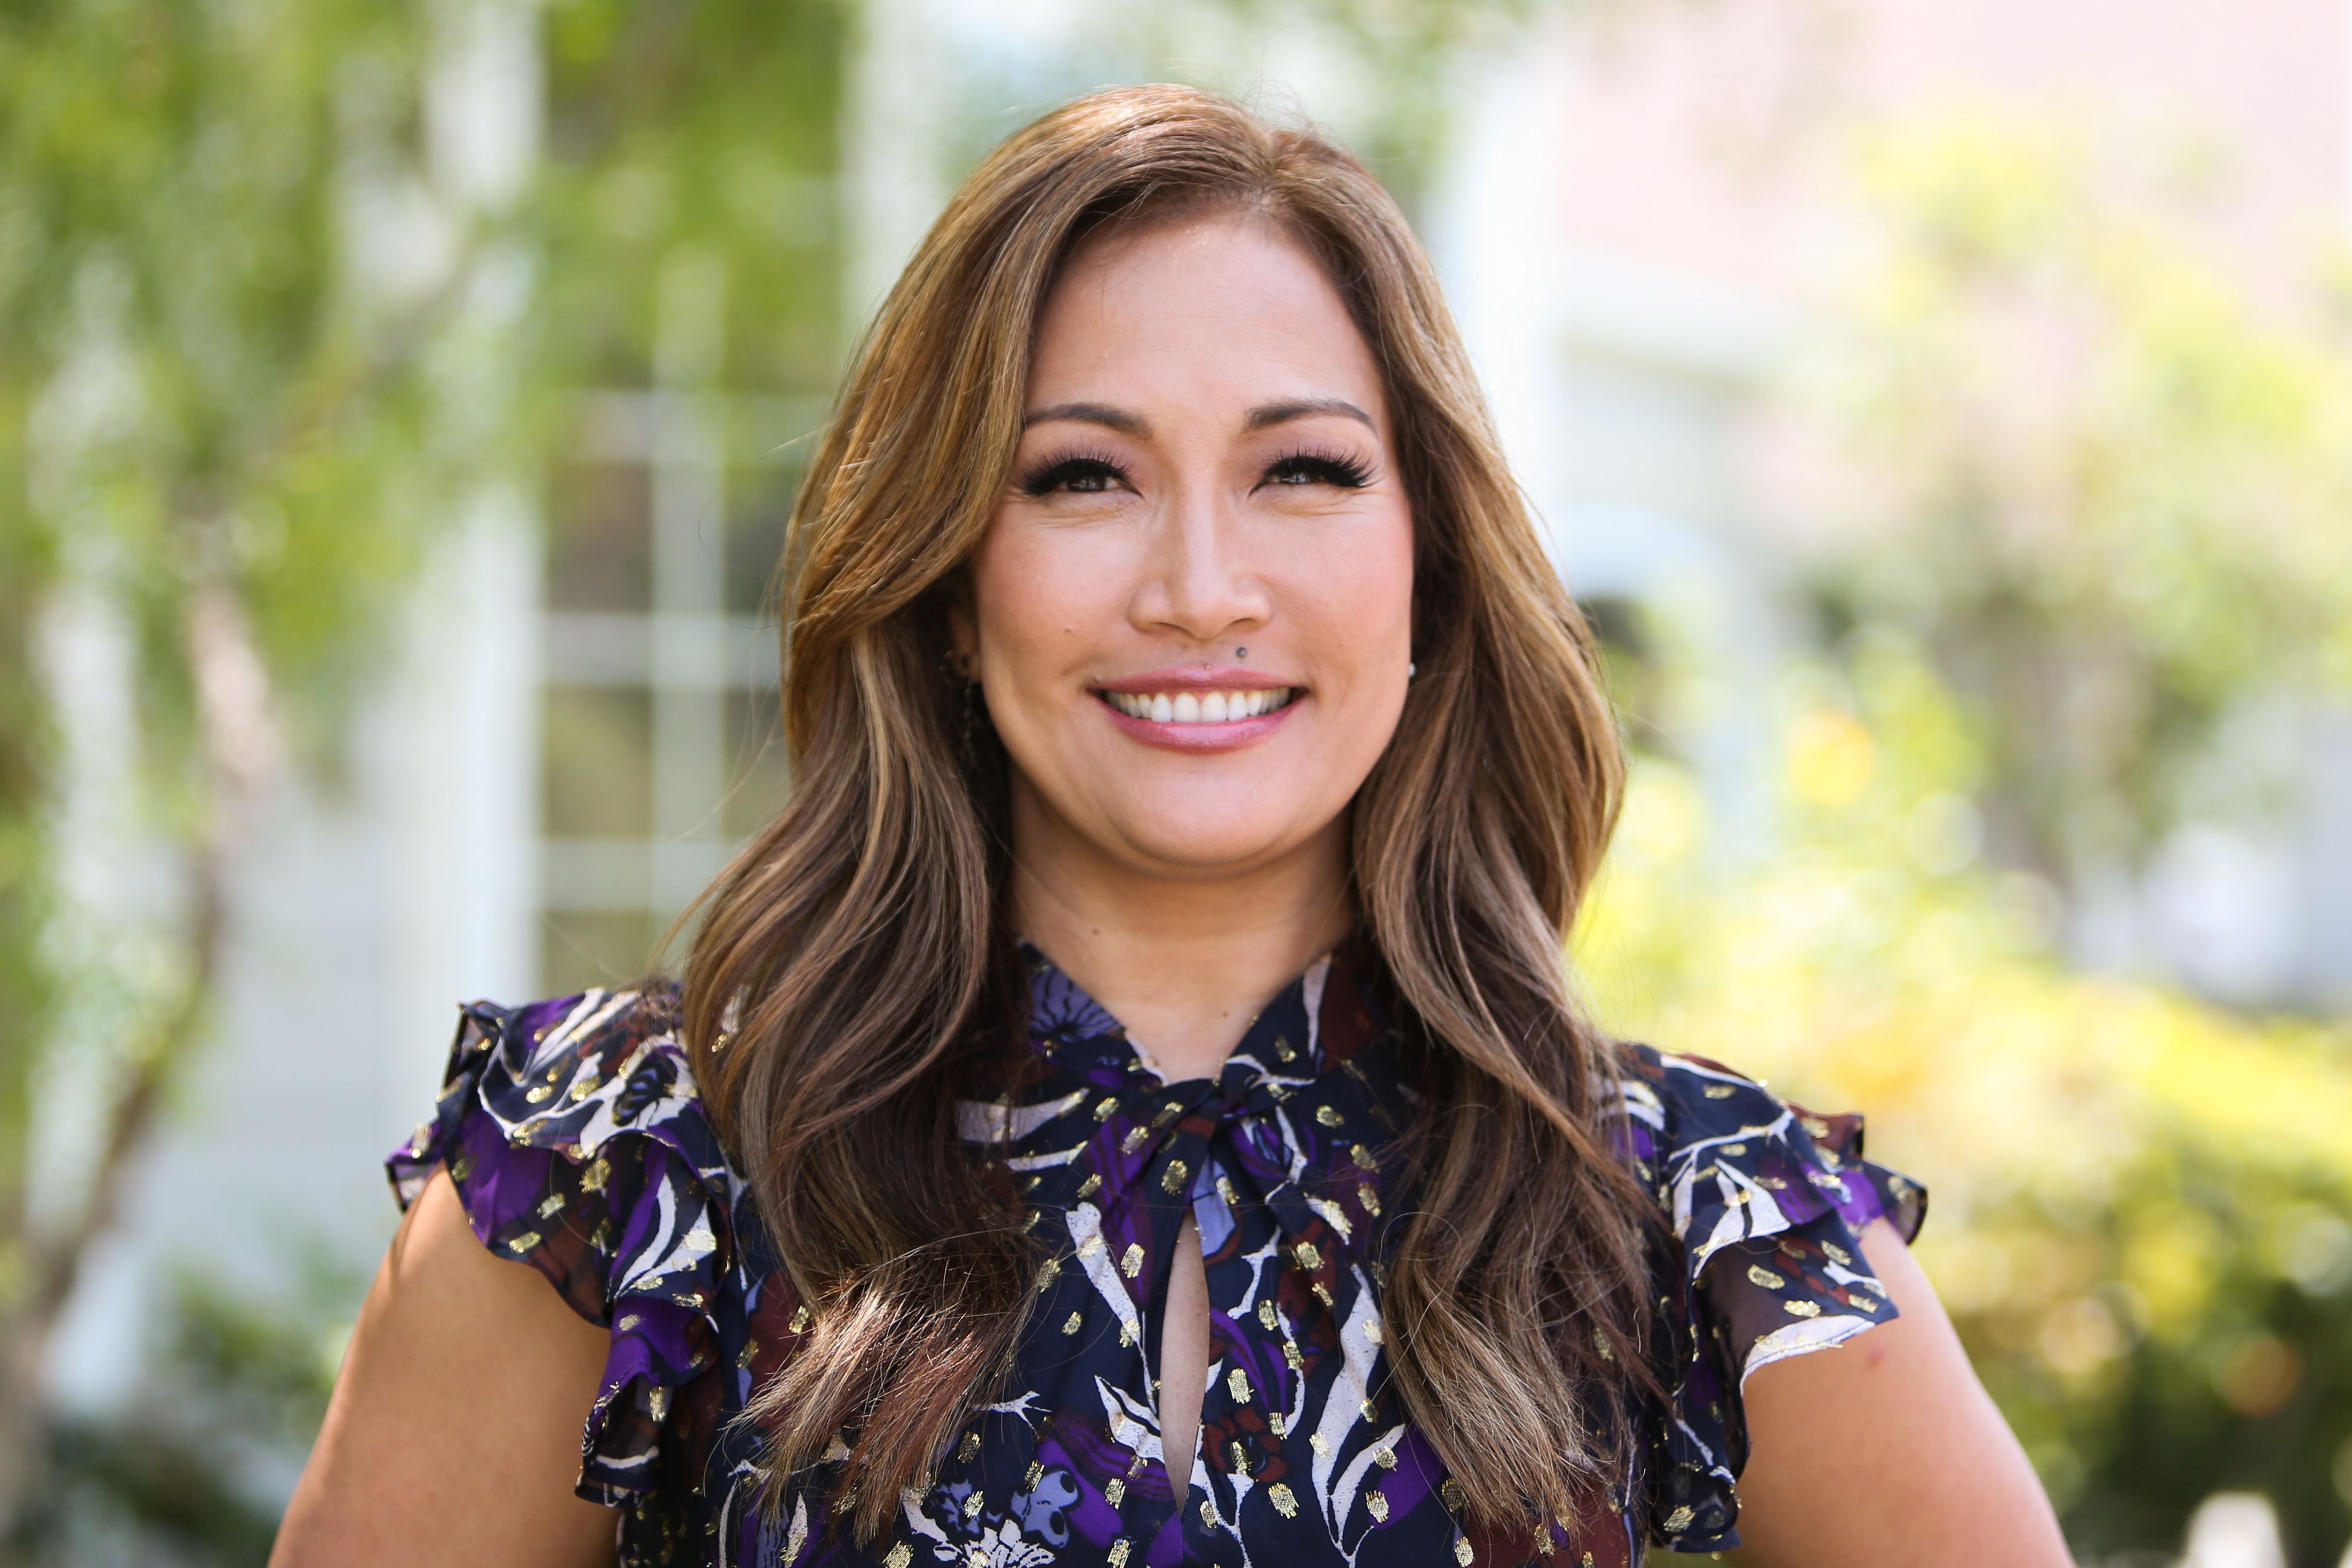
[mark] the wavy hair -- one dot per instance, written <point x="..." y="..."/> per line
<point x="851" y="973"/>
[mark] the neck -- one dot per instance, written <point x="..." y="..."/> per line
<point x="1184" y="961"/>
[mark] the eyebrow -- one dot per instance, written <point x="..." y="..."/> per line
<point x="1272" y="413"/>
<point x="1262" y="417"/>
<point x="1100" y="414"/>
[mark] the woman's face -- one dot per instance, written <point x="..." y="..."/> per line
<point x="1191" y="614"/>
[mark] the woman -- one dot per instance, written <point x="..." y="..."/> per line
<point x="1128" y="1109"/>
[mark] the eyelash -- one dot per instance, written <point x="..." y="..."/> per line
<point x="1055" y="472"/>
<point x="1336" y="469"/>
<point x="1333" y="468"/>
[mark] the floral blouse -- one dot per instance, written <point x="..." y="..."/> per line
<point x="573" y="1133"/>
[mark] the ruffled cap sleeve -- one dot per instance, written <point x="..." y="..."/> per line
<point x="1767" y="1201"/>
<point x="578" y="1145"/>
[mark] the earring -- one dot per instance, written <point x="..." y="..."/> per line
<point x="1410" y="670"/>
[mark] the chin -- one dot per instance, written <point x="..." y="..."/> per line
<point x="1208" y="842"/>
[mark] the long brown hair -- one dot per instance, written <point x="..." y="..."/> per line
<point x="850" y="975"/>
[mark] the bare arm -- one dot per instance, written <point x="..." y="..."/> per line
<point x="454" y="1434"/>
<point x="1887" y="1449"/>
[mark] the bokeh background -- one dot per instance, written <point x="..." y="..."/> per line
<point x="1942" y="409"/>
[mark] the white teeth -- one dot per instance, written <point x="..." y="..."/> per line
<point x="1198" y="707"/>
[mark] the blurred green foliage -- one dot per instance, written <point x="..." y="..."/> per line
<point x="2106" y="483"/>
<point x="235" y="1394"/>
<point x="2088" y="502"/>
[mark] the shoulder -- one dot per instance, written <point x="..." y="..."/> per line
<point x="1710" y="1141"/>
<point x="1765" y="1201"/>
<point x="576" y="1140"/>
<point x="573" y="1076"/>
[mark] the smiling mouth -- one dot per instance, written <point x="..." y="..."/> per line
<point x="1199" y="707"/>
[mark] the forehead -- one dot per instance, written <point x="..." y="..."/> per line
<point x="1215" y="303"/>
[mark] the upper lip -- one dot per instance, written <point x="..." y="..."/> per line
<point x="1197" y="678"/>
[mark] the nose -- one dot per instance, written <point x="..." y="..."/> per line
<point x="1198" y="579"/>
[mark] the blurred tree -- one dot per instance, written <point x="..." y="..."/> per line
<point x="209" y="446"/>
<point x="2068" y="501"/>
<point x="2138" y="1200"/>
<point x="2108" y="488"/>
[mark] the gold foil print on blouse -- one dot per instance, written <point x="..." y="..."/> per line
<point x="1801" y="1309"/>
<point x="1759" y="1275"/>
<point x="1462" y="1553"/>
<point x="1285" y="1501"/>
<point x="969" y="1450"/>
<point x="1116" y="1492"/>
<point x="1265" y="1314"/>
<point x="900" y="1556"/>
<point x="1072" y="1325"/>
<point x="1377" y="1501"/>
<point x="1329" y="1115"/>
<point x="1131" y="1264"/>
<point x="1119" y="1550"/>
<point x="1237" y="1384"/>
<point x="1172" y="1180"/>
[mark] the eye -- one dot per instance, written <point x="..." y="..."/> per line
<point x="1320" y="468"/>
<point x="1079" y="476"/>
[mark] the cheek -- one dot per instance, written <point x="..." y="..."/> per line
<point x="1019" y="591"/>
<point x="1359" y="602"/>
<point x="1041" y="601"/>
